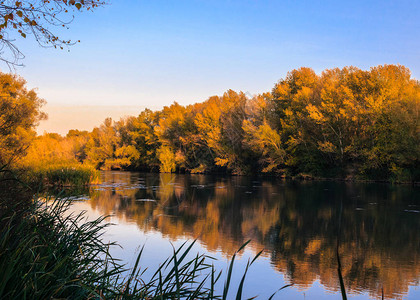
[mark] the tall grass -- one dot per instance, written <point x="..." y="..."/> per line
<point x="61" y="174"/>
<point x="47" y="253"/>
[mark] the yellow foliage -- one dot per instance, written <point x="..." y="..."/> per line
<point x="167" y="160"/>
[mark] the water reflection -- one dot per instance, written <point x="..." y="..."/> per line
<point x="296" y="222"/>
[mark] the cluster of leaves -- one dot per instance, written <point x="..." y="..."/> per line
<point x="36" y="18"/>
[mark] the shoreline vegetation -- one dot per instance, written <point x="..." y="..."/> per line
<point x="64" y="175"/>
<point x="345" y="124"/>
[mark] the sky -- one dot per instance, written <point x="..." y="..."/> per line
<point x="137" y="53"/>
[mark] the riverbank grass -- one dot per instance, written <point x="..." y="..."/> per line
<point x="46" y="254"/>
<point x="61" y="175"/>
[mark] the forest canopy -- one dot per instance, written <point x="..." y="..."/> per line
<point x="343" y="123"/>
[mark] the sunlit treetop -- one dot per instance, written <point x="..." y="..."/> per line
<point x="37" y="18"/>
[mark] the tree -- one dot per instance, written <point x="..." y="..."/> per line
<point x="19" y="114"/>
<point x="208" y="125"/>
<point x="50" y="148"/>
<point x="393" y="144"/>
<point x="348" y="122"/>
<point x="265" y="142"/>
<point x="233" y="112"/>
<point x="36" y="18"/>
<point x="100" y="149"/>
<point x="290" y="97"/>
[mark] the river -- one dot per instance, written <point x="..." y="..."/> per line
<point x="298" y="224"/>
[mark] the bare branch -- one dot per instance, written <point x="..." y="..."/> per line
<point x="37" y="18"/>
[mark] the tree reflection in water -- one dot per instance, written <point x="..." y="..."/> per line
<point x="296" y="222"/>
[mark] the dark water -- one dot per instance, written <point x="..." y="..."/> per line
<point x="297" y="223"/>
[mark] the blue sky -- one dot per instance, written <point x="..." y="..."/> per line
<point x="151" y="53"/>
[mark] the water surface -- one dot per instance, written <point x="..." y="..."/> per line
<point x="376" y="226"/>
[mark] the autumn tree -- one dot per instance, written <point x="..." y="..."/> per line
<point x="393" y="141"/>
<point x="207" y="122"/>
<point x="335" y="113"/>
<point x="19" y="114"/>
<point x="290" y="96"/>
<point x="350" y="122"/>
<point x="78" y="139"/>
<point x="200" y="158"/>
<point x="232" y="153"/>
<point x="39" y="19"/>
<point x="100" y="149"/>
<point x="49" y="148"/>
<point x="138" y="142"/>
<point x="178" y="134"/>
<point x="261" y="136"/>
<point x="170" y="130"/>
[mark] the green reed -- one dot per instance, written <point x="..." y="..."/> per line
<point x="46" y="253"/>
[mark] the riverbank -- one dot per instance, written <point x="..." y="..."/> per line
<point x="298" y="177"/>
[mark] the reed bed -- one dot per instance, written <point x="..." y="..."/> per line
<point x="62" y="175"/>
<point x="45" y="254"/>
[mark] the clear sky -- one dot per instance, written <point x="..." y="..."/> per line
<point x="151" y="53"/>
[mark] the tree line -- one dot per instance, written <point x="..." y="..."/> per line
<point x="344" y="123"/>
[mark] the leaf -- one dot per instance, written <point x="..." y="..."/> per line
<point x="243" y="246"/>
<point x="78" y="5"/>
<point x="283" y="287"/>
